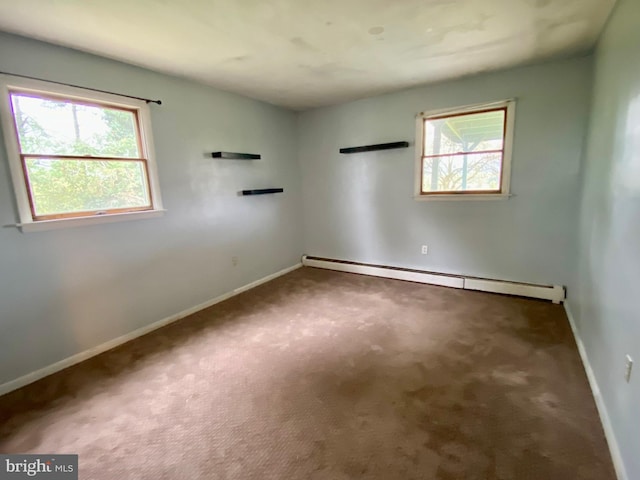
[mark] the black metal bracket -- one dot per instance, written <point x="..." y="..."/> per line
<point x="234" y="155"/>
<point x="262" y="191"/>
<point x="372" y="148"/>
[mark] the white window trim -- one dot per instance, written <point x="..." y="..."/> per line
<point x="504" y="194"/>
<point x="27" y="223"/>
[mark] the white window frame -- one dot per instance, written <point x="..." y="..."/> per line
<point x="27" y="222"/>
<point x="510" y="106"/>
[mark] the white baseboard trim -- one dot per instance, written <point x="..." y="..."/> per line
<point x="614" y="449"/>
<point x="555" y="293"/>
<point x="92" y="352"/>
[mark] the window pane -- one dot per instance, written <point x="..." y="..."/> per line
<point x="67" y="186"/>
<point x="472" y="132"/>
<point x="457" y="173"/>
<point x="61" y="127"/>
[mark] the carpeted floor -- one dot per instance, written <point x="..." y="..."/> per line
<point x="326" y="375"/>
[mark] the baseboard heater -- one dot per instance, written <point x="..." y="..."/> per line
<point x="554" y="293"/>
<point x="373" y="148"/>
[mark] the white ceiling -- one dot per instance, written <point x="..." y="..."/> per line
<point x="302" y="54"/>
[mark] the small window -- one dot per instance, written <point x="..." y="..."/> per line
<point x="466" y="151"/>
<point x="77" y="154"/>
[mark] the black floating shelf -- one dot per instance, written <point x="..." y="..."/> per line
<point x="372" y="148"/>
<point x="234" y="155"/>
<point x="262" y="191"/>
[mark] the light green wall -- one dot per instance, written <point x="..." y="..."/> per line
<point x="65" y="291"/>
<point x="607" y="304"/>
<point x="361" y="207"/>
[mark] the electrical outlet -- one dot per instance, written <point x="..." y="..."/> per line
<point x="628" y="368"/>
<point x="234" y="261"/>
<point x="425" y="249"/>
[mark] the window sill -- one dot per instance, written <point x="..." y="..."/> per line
<point x="463" y="196"/>
<point x="82" y="221"/>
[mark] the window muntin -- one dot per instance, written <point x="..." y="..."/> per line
<point x="78" y="156"/>
<point x="465" y="151"/>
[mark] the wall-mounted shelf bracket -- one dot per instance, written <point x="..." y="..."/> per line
<point x="262" y="191"/>
<point x="236" y="156"/>
<point x="373" y="148"/>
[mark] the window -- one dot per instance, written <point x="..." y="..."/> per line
<point x="77" y="155"/>
<point x="465" y="152"/>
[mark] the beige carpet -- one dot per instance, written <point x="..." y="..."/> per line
<point x="326" y="375"/>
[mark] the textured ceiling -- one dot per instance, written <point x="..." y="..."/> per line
<point x="303" y="54"/>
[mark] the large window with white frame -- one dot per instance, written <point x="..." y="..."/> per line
<point x="465" y="152"/>
<point x="76" y="154"/>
